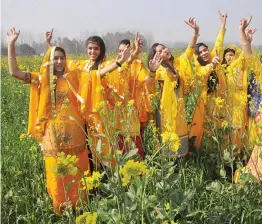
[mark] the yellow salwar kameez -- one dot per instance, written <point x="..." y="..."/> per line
<point x="254" y="165"/>
<point x="172" y="104"/>
<point x="93" y="89"/>
<point x="56" y="122"/>
<point x="133" y="106"/>
<point x="206" y="106"/>
<point x="236" y="100"/>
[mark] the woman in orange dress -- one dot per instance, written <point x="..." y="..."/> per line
<point x="56" y="123"/>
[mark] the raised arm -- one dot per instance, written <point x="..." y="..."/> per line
<point x="136" y="49"/>
<point x="118" y="63"/>
<point x="12" y="62"/>
<point x="245" y="41"/>
<point x="220" y="37"/>
<point x="48" y="38"/>
<point x="190" y="49"/>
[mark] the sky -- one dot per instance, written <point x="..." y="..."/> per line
<point x="161" y="19"/>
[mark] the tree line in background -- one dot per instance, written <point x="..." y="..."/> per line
<point x="30" y="47"/>
<point x="74" y="46"/>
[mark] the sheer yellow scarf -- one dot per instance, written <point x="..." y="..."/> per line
<point x="42" y="96"/>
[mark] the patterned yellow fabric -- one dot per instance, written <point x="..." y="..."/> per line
<point x="62" y="131"/>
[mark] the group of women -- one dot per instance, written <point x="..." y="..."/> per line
<point x="66" y="98"/>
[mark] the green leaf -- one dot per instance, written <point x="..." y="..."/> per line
<point x="214" y="186"/>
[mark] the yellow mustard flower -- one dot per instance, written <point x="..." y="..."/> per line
<point x="91" y="182"/>
<point x="133" y="169"/>
<point x="224" y="124"/>
<point x="100" y="105"/>
<point x="66" y="165"/>
<point x="100" y="89"/>
<point x="87" y="218"/>
<point x="118" y="104"/>
<point x="131" y="102"/>
<point x="219" y="102"/>
<point x="172" y="139"/>
<point x="23" y="136"/>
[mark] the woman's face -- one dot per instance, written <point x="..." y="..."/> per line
<point x="230" y="56"/>
<point x="164" y="52"/>
<point x="204" y="53"/>
<point x="121" y="48"/>
<point x="93" y="51"/>
<point x="59" y="61"/>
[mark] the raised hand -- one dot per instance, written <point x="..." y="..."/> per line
<point x="192" y="23"/>
<point x="12" y="37"/>
<point x="138" y="44"/>
<point x="223" y="19"/>
<point x="155" y="62"/>
<point x="244" y="23"/>
<point x="48" y="37"/>
<point x="249" y="33"/>
<point x="125" y="55"/>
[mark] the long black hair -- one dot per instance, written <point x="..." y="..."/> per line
<point x="97" y="40"/>
<point x="212" y="81"/>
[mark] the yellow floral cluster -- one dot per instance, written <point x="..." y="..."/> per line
<point x="219" y="102"/>
<point x="133" y="169"/>
<point x="131" y="102"/>
<point x="100" y="89"/>
<point x="101" y="105"/>
<point x="87" y="218"/>
<point x="66" y="165"/>
<point x="91" y="182"/>
<point x="23" y="136"/>
<point x="172" y="139"/>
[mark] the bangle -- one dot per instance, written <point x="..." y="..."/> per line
<point x="245" y="44"/>
<point x="152" y="71"/>
<point x="118" y="64"/>
<point x="196" y="35"/>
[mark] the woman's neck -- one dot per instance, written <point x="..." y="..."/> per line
<point x="59" y="74"/>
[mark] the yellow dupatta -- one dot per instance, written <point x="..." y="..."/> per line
<point x="42" y="95"/>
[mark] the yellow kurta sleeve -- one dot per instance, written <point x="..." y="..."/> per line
<point x="219" y="43"/>
<point x="189" y="52"/>
<point x="33" y="104"/>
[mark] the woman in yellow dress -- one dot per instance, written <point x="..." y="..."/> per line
<point x="133" y="85"/>
<point x="174" y="77"/>
<point x="55" y="122"/>
<point x="254" y="165"/>
<point x="212" y="81"/>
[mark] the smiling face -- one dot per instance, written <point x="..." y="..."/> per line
<point x="93" y="51"/>
<point x="59" y="61"/>
<point x="164" y="52"/>
<point x="204" y="53"/>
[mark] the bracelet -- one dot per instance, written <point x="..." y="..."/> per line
<point x="196" y="35"/>
<point x="118" y="64"/>
<point x="245" y="44"/>
<point x="152" y="71"/>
